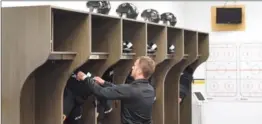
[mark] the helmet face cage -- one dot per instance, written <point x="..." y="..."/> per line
<point x="93" y="5"/>
<point x="172" y="23"/>
<point x="106" y="4"/>
<point x="153" y="15"/>
<point x="128" y="10"/>
<point x="164" y="18"/>
<point x="105" y="8"/>
<point x="169" y="18"/>
<point x="150" y="15"/>
<point x="102" y="7"/>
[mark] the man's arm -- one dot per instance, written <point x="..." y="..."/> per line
<point x="114" y="92"/>
<point x="108" y="84"/>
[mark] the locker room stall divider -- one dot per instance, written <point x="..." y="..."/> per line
<point x="157" y="34"/>
<point x="176" y="37"/>
<point x="135" y="32"/>
<point x="203" y="53"/>
<point x="44" y="45"/>
<point x="173" y="77"/>
<point x="105" y="31"/>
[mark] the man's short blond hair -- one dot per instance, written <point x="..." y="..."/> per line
<point x="147" y="65"/>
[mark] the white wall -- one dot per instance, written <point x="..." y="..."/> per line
<point x="163" y="6"/>
<point x="225" y="110"/>
<point x="197" y="16"/>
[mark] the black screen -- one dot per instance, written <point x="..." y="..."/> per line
<point x="229" y="15"/>
<point x="199" y="96"/>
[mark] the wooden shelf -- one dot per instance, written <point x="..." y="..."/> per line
<point x="185" y="56"/>
<point x="62" y="55"/>
<point x="98" y="55"/>
<point x="128" y="55"/>
<point x="151" y="54"/>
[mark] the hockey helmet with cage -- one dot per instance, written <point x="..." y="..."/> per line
<point x="169" y="17"/>
<point x="127" y="9"/>
<point x="102" y="7"/>
<point x="151" y="15"/>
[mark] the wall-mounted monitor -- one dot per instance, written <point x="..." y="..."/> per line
<point x="228" y="15"/>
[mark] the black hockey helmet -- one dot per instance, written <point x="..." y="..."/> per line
<point x="128" y="9"/>
<point x="169" y="17"/>
<point x="151" y="15"/>
<point x="102" y="7"/>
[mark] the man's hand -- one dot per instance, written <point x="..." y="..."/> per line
<point x="179" y="100"/>
<point x="99" y="80"/>
<point x="81" y="76"/>
<point x="64" y="117"/>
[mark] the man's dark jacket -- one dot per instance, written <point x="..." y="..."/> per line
<point x="137" y="99"/>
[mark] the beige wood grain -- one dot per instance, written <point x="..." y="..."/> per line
<point x="173" y="77"/>
<point x="158" y="34"/>
<point x="135" y="32"/>
<point x="203" y="53"/>
<point x="24" y="31"/>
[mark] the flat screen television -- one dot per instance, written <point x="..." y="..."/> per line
<point x="228" y="15"/>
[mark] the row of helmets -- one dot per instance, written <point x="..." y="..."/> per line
<point x="128" y="10"/>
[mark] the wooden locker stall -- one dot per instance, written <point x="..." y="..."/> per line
<point x="157" y="34"/>
<point x="203" y="53"/>
<point x="104" y="51"/>
<point x="135" y="32"/>
<point x="40" y="51"/>
<point x="173" y="76"/>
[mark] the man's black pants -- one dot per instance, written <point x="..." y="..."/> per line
<point x="72" y="110"/>
<point x="75" y="116"/>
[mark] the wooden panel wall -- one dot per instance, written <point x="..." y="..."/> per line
<point x="43" y="45"/>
